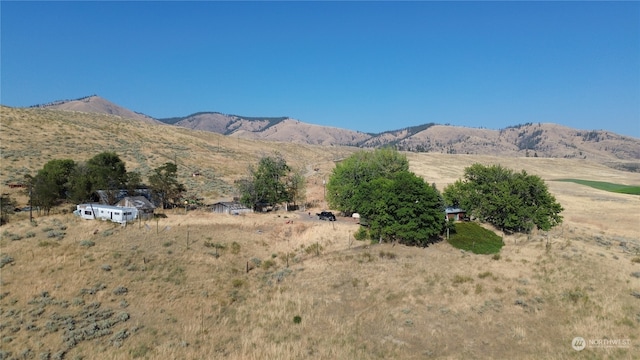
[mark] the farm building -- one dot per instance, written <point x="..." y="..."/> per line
<point x="110" y="197"/>
<point x="117" y="214"/>
<point x="455" y="214"/>
<point x="144" y="206"/>
<point x="232" y="208"/>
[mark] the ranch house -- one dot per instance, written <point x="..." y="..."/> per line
<point x="455" y="214"/>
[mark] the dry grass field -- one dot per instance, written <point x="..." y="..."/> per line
<point x="279" y="285"/>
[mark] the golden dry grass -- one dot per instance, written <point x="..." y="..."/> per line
<point x="185" y="299"/>
<point x="355" y="300"/>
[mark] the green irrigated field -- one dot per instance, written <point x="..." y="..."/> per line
<point x="606" y="186"/>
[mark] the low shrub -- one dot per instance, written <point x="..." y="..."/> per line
<point x="59" y="235"/>
<point x="12" y="237"/>
<point x="5" y="259"/>
<point x="120" y="290"/>
<point x="268" y="264"/>
<point x="361" y="234"/>
<point x="313" y="249"/>
<point x="460" y="279"/>
<point x="387" y="254"/>
<point x="87" y="243"/>
<point x="45" y="243"/>
<point x="236" y="283"/>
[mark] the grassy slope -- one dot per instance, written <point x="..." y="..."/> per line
<point x="355" y="301"/>
<point x="473" y="237"/>
<point x="31" y="137"/>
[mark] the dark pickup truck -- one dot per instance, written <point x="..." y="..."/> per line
<point x="326" y="215"/>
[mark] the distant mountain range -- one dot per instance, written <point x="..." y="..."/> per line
<point x="531" y="139"/>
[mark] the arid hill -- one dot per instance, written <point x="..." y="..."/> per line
<point x="539" y="139"/>
<point x="285" y="285"/>
<point x="528" y="140"/>
<point x="531" y="139"/>
<point x="96" y="104"/>
<point x="33" y="136"/>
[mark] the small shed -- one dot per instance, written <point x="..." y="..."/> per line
<point x="117" y="214"/>
<point x="455" y="214"/>
<point x="144" y="206"/>
<point x="230" y="207"/>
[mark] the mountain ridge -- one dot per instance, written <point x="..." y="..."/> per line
<point x="529" y="139"/>
<point x="96" y="104"/>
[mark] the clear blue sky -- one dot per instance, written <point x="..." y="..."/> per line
<point x="368" y="66"/>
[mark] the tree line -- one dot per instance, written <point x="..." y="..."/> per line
<point x="394" y="204"/>
<point x="397" y="205"/>
<point x="511" y="201"/>
<point x="62" y="180"/>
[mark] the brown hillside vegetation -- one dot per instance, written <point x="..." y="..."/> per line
<point x="294" y="131"/>
<point x="533" y="140"/>
<point x="178" y="287"/>
<point x="530" y="139"/>
<point x="32" y="137"/>
<point x="96" y="104"/>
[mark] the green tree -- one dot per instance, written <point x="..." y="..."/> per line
<point x="107" y="172"/>
<point x="164" y="183"/>
<point x="44" y="193"/>
<point x="52" y="183"/>
<point x="59" y="172"/>
<point x="134" y="182"/>
<point x="515" y="202"/>
<point x="7" y="207"/>
<point x="80" y="186"/>
<point x="296" y="187"/>
<point x="268" y="184"/>
<point x="361" y="167"/>
<point x="402" y="208"/>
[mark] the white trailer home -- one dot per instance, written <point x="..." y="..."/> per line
<point x="119" y="214"/>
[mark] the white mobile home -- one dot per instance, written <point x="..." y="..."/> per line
<point x="119" y="214"/>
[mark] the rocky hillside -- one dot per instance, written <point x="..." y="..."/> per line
<point x="534" y="140"/>
<point x="531" y="139"/>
